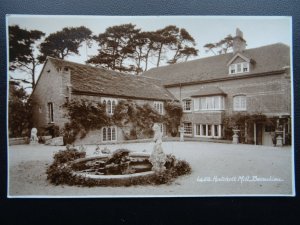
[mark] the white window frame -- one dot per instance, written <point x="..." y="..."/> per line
<point x="190" y="133"/>
<point x="209" y="103"/>
<point x="239" y="103"/>
<point x="201" y="130"/>
<point x="159" y="107"/>
<point x="184" y="103"/>
<point x="233" y="68"/>
<point x="110" y="108"/>
<point x="107" y="134"/>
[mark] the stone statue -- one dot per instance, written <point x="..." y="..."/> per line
<point x="157" y="157"/>
<point x="33" y="136"/>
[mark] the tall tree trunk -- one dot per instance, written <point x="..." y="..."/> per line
<point x="33" y="74"/>
<point x="159" y="55"/>
<point x="146" y="59"/>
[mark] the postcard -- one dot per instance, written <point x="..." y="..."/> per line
<point x="149" y="106"/>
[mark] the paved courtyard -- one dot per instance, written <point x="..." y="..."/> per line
<point x="217" y="169"/>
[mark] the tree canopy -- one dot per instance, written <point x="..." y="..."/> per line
<point x="128" y="49"/>
<point x="22" y="57"/>
<point x="220" y="47"/>
<point x="116" y="45"/>
<point x="64" y="43"/>
<point x="19" y="120"/>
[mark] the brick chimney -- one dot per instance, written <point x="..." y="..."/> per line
<point x="239" y="44"/>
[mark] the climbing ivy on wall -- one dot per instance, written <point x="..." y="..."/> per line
<point x="135" y="120"/>
<point x="173" y="116"/>
<point x="83" y="116"/>
<point x="239" y="121"/>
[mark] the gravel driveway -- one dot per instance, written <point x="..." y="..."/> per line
<point x="217" y="169"/>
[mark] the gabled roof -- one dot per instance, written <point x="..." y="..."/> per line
<point x="236" y="56"/>
<point x="98" y="81"/>
<point x="208" y="91"/>
<point x="267" y="59"/>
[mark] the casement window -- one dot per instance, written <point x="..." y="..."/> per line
<point x="187" y="105"/>
<point x="162" y="128"/>
<point x="207" y="130"/>
<point x="209" y="103"/>
<point x="239" y="103"/>
<point x="50" y="112"/>
<point x="110" y="105"/>
<point x="109" y="133"/>
<point x="187" y="128"/>
<point x="159" y="107"/>
<point x="239" y="68"/>
<point x="217" y="130"/>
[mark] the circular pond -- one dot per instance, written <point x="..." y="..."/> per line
<point x="117" y="168"/>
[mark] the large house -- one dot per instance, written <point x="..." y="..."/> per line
<point x="61" y="81"/>
<point x="246" y="81"/>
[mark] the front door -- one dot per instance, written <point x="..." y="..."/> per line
<point x="267" y="135"/>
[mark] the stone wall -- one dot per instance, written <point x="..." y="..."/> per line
<point x="95" y="136"/>
<point x="267" y="94"/>
<point x="49" y="88"/>
<point x="270" y="95"/>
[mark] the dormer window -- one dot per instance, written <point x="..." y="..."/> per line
<point x="245" y="67"/>
<point x="239" y="68"/>
<point x="232" y="69"/>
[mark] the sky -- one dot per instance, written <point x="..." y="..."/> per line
<point x="257" y="31"/>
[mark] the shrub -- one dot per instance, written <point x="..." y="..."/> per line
<point x="182" y="167"/>
<point x="52" y="130"/>
<point x="172" y="118"/>
<point x="42" y="140"/>
<point x="60" y="172"/>
<point x="64" y="156"/>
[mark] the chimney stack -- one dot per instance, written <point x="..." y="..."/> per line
<point x="239" y="44"/>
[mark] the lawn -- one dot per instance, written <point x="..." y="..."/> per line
<point x="217" y="169"/>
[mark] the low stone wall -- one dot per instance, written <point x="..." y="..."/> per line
<point x="18" y="141"/>
<point x="24" y="140"/>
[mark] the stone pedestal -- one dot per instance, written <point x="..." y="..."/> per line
<point x="279" y="138"/>
<point x="235" y="137"/>
<point x="181" y="131"/>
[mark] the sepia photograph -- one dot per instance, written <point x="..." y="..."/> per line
<point x="149" y="106"/>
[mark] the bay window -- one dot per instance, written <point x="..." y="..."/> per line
<point x="207" y="130"/>
<point x="209" y="103"/>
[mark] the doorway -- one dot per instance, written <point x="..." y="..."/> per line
<point x="267" y="138"/>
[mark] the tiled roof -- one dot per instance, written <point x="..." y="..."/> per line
<point x="210" y="90"/>
<point x="99" y="81"/>
<point x="264" y="59"/>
